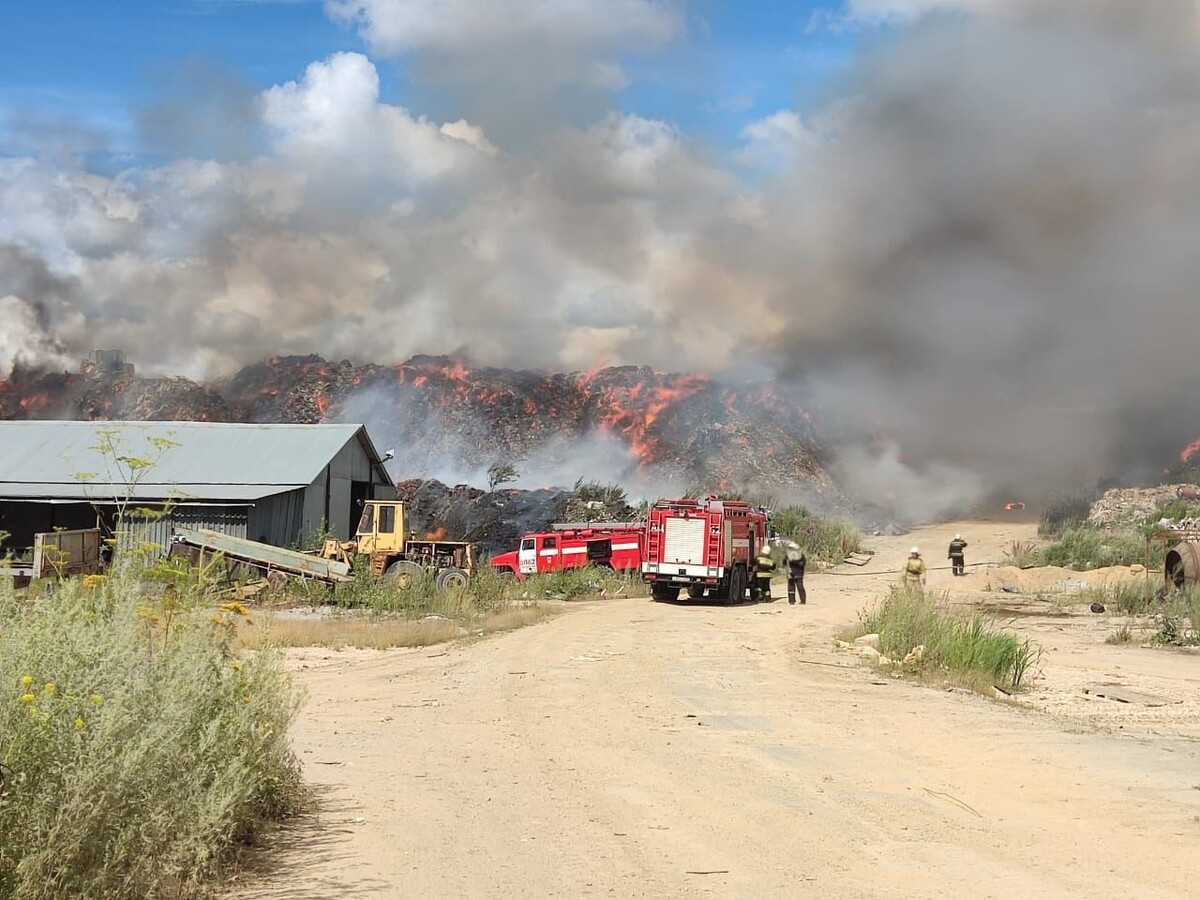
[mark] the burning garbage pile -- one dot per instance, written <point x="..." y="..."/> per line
<point x="103" y="394"/>
<point x="688" y="427"/>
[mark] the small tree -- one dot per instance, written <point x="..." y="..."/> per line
<point x="499" y="473"/>
<point x="123" y="473"/>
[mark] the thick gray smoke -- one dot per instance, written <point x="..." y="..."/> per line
<point x="977" y="255"/>
<point x="991" y="259"/>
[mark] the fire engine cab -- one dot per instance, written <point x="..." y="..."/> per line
<point x="570" y="546"/>
<point x="702" y="546"/>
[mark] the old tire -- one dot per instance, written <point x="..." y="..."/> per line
<point x="696" y="591"/>
<point x="451" y="578"/>
<point x="404" y="573"/>
<point x="664" y="593"/>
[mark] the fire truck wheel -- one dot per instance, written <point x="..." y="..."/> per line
<point x="404" y="573"/>
<point x="737" y="586"/>
<point x="696" y="591"/>
<point x="664" y="593"/>
<point x="451" y="578"/>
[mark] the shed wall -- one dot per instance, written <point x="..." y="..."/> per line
<point x="225" y="519"/>
<point x="278" y="520"/>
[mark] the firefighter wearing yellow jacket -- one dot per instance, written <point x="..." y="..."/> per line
<point x="764" y="568"/>
<point x="914" y="570"/>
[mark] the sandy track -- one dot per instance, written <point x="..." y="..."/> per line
<point x="623" y="748"/>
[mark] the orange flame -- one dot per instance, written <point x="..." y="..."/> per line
<point x="34" y="402"/>
<point x="322" y="404"/>
<point x="1016" y="504"/>
<point x="633" y="412"/>
<point x="1190" y="450"/>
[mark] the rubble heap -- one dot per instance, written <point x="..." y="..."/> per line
<point x="438" y="413"/>
<point x="1125" y="509"/>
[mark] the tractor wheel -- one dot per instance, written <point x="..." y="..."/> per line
<point x="664" y="593"/>
<point x="696" y="591"/>
<point x="451" y="578"/>
<point x="404" y="573"/>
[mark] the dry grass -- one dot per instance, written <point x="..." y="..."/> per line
<point x="380" y="632"/>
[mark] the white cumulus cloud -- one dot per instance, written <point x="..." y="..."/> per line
<point x="335" y="111"/>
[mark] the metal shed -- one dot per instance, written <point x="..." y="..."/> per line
<point x="282" y="484"/>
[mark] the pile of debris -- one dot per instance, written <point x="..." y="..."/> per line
<point x="1126" y="509"/>
<point x="442" y="417"/>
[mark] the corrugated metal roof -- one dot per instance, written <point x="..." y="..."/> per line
<point x="207" y="460"/>
<point x="101" y="493"/>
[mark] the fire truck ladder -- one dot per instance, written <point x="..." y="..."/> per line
<point x="712" y="557"/>
<point x="654" y="543"/>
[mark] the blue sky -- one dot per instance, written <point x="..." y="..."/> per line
<point x="90" y="67"/>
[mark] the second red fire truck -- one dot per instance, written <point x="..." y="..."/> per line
<point x="616" y="546"/>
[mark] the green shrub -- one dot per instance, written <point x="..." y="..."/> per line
<point x="489" y="592"/>
<point x="1179" y="621"/>
<point x="1134" y="597"/>
<point x="576" y="584"/>
<point x="598" y="492"/>
<point x="826" y="541"/>
<point x="138" y="749"/>
<point x="1085" y="548"/>
<point x="967" y="648"/>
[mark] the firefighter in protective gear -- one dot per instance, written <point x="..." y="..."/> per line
<point x="914" y="570"/>
<point x="796" y="562"/>
<point x="764" y="568"/>
<point x="957" y="563"/>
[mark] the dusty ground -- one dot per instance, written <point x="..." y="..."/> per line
<point x="634" y="749"/>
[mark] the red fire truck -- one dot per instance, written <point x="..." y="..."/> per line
<point x="572" y="546"/>
<point x="702" y="545"/>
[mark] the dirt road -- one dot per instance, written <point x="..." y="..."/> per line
<point x="634" y="749"/>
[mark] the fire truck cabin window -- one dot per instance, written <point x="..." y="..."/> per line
<point x="527" y="544"/>
<point x="549" y="543"/>
<point x="387" y="519"/>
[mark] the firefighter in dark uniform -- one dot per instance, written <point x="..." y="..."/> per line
<point x="764" y="568"/>
<point x="796" y="561"/>
<point x="957" y="546"/>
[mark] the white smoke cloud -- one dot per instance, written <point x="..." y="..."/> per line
<point x="988" y="225"/>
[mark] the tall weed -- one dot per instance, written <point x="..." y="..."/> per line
<point x="826" y="541"/>
<point x="966" y="647"/>
<point x="1086" y="548"/>
<point x="138" y="749"/>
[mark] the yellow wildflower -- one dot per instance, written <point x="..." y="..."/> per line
<point x="51" y="688"/>
<point x="27" y="680"/>
<point x="27" y="698"/>
<point x="97" y="699"/>
<point x="33" y="712"/>
<point x="79" y="723"/>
